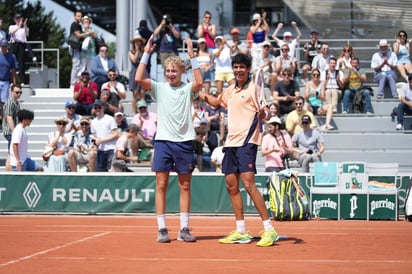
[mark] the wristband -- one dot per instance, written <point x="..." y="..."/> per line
<point x="194" y="63"/>
<point x="145" y="58"/>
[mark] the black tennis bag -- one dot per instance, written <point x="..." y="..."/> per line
<point x="287" y="199"/>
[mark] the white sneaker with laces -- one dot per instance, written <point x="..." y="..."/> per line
<point x="399" y="127"/>
<point x="329" y="127"/>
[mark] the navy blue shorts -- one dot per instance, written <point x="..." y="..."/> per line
<point x="173" y="156"/>
<point x="239" y="159"/>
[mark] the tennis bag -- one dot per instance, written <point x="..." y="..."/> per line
<point x="287" y="199"/>
<point x="408" y="202"/>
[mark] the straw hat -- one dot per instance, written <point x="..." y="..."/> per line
<point x="137" y="37"/>
<point x="87" y="18"/>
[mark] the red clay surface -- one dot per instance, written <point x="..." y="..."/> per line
<point x="127" y="244"/>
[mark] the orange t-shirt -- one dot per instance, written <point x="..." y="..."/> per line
<point x="242" y="109"/>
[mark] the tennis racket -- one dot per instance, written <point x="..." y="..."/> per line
<point x="260" y="88"/>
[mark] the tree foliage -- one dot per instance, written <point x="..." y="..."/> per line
<point x="43" y="27"/>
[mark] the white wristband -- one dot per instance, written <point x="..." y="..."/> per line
<point x="194" y="63"/>
<point x="145" y="58"/>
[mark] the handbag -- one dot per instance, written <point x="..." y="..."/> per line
<point x="74" y="41"/>
<point x="47" y="152"/>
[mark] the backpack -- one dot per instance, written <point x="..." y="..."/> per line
<point x="287" y="199"/>
<point x="358" y="101"/>
<point x="408" y="202"/>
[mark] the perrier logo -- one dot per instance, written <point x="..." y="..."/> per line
<point x="353" y="205"/>
<point x="382" y="204"/>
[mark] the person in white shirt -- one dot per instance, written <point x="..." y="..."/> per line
<point x="223" y="59"/>
<point x="287" y="38"/>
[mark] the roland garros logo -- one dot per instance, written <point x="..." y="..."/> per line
<point x="31" y="194"/>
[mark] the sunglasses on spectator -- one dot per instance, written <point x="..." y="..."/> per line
<point x="208" y="17"/>
<point x="315" y="74"/>
<point x="285" y="49"/>
<point x="112" y="74"/>
<point x="18" y="92"/>
<point x="305" y="123"/>
<point x="266" y="46"/>
<point x="97" y="107"/>
<point x="298" y="104"/>
<point x="71" y="107"/>
<point x="84" y="124"/>
<point x="402" y="35"/>
<point x="60" y="124"/>
<point x="347" y="50"/>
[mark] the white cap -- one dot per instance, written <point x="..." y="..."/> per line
<point x="287" y="33"/>
<point x="255" y="16"/>
<point x="275" y="120"/>
<point x="383" y="43"/>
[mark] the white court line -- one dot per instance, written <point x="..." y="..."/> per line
<point x="53" y="249"/>
<point x="234" y="260"/>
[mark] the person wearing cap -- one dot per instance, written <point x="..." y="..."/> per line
<point x="287" y="38"/>
<point x="276" y="145"/>
<point x="71" y="117"/>
<point x="266" y="61"/>
<point x="223" y="61"/>
<point x="353" y="80"/>
<point x="405" y="105"/>
<point x="122" y="156"/>
<point x="82" y="155"/>
<point x="19" y="34"/>
<point x="135" y="54"/>
<point x="207" y="30"/>
<point x="105" y="134"/>
<point x="88" y="45"/>
<point x="60" y="141"/>
<point x="312" y="48"/>
<point x="308" y="144"/>
<point x="205" y="60"/>
<point x="8" y="66"/>
<point x="175" y="132"/>
<point x="121" y="121"/>
<point x="235" y="44"/>
<point x="293" y="120"/>
<point x="167" y="36"/>
<point x="19" y="158"/>
<point x="146" y="120"/>
<point x="259" y="30"/>
<point x="243" y="139"/>
<point x="385" y="63"/>
<point x="85" y="93"/>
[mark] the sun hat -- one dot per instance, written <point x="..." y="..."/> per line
<point x="61" y="119"/>
<point x="201" y="40"/>
<point x="275" y="120"/>
<point x="137" y="37"/>
<point x="235" y="31"/>
<point x="87" y="18"/>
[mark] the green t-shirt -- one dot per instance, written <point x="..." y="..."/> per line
<point x="174" y="110"/>
<point x="354" y="79"/>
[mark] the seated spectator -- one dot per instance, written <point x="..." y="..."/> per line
<point x="83" y="152"/>
<point x="198" y="111"/>
<point x="287" y="38"/>
<point x="122" y="156"/>
<point x="146" y="121"/>
<point x="311" y="50"/>
<point x="116" y="89"/>
<point x="285" y="92"/>
<point x="321" y="61"/>
<point x="265" y="61"/>
<point x="343" y="61"/>
<point x="101" y="64"/>
<point x="293" y="121"/>
<point x="385" y="63"/>
<point x="405" y="106"/>
<point x="402" y="47"/>
<point x="354" y="78"/>
<point x="72" y="118"/>
<point x="332" y="84"/>
<point x="60" y="141"/>
<point x="216" y="158"/>
<point x="315" y="98"/>
<point x="204" y="146"/>
<point x="109" y="108"/>
<point x="85" y="93"/>
<point x="121" y="121"/>
<point x="275" y="146"/>
<point x="308" y="143"/>
<point x="273" y="112"/>
<point x="284" y="61"/>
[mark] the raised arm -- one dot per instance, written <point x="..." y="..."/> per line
<point x="140" y="77"/>
<point x="197" y="74"/>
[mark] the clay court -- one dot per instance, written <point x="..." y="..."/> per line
<point x="127" y="244"/>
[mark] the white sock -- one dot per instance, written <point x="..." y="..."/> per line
<point x="161" y="221"/>
<point x="241" y="226"/>
<point x="267" y="225"/>
<point x="184" y="220"/>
